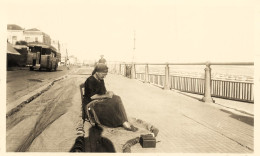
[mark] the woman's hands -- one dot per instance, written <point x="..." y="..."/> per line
<point x="108" y="94"/>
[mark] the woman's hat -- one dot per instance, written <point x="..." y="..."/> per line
<point x="100" y="67"/>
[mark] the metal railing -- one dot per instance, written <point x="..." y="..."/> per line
<point x="227" y="89"/>
<point x="233" y="90"/>
<point x="188" y="84"/>
<point x="157" y="80"/>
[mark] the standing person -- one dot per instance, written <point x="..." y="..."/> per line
<point x="102" y="60"/>
<point x="108" y="107"/>
<point x="68" y="64"/>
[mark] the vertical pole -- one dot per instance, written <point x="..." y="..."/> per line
<point x="66" y="58"/>
<point x="146" y="74"/>
<point x="207" y="93"/>
<point x="167" y="76"/>
<point x="133" y="71"/>
<point x="133" y="65"/>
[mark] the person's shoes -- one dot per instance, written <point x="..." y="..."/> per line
<point x="131" y="128"/>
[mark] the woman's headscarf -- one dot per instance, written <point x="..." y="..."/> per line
<point x="100" y="67"/>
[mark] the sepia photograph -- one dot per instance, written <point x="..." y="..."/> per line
<point x="129" y="76"/>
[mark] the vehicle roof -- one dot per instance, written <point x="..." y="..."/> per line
<point x="38" y="44"/>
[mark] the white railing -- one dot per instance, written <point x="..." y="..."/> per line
<point x="227" y="89"/>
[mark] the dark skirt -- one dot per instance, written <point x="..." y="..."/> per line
<point x="111" y="112"/>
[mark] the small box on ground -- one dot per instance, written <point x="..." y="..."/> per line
<point x="148" y="141"/>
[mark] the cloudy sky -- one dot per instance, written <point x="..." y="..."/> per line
<point x="166" y="30"/>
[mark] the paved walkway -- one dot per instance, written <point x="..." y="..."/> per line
<point x="186" y="124"/>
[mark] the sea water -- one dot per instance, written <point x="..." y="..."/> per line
<point x="222" y="72"/>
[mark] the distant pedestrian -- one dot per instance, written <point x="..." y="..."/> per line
<point x="128" y="70"/>
<point x="68" y="65"/>
<point x="102" y="60"/>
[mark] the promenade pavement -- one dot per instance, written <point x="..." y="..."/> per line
<point x="186" y="124"/>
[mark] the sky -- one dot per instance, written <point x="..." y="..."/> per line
<point x="165" y="30"/>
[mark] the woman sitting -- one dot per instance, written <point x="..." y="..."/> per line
<point x="108" y="107"/>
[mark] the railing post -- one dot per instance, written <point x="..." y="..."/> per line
<point x="133" y="71"/>
<point x="125" y="70"/>
<point x="167" y="77"/>
<point x="119" y="69"/>
<point x="207" y="86"/>
<point x="115" y="69"/>
<point x="146" y="74"/>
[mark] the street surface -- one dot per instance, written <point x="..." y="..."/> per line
<point x="187" y="125"/>
<point x="22" y="82"/>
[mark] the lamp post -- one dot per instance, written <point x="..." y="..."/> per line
<point x="167" y="77"/>
<point x="133" y="65"/>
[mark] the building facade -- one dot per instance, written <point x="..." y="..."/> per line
<point x="35" y="35"/>
<point x="56" y="44"/>
<point x="14" y="33"/>
<point x="18" y="38"/>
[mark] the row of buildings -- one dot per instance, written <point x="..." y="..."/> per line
<point x="16" y="34"/>
<point x="17" y="37"/>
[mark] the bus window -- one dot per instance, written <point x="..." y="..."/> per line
<point x="43" y="51"/>
<point x="48" y="52"/>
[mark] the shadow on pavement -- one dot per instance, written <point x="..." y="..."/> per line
<point x="196" y="98"/>
<point x="16" y="68"/>
<point x="246" y="119"/>
<point x="35" y="80"/>
<point x="94" y="143"/>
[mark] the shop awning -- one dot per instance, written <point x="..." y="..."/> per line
<point x="11" y="50"/>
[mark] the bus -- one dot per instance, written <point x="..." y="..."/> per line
<point x="41" y="56"/>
